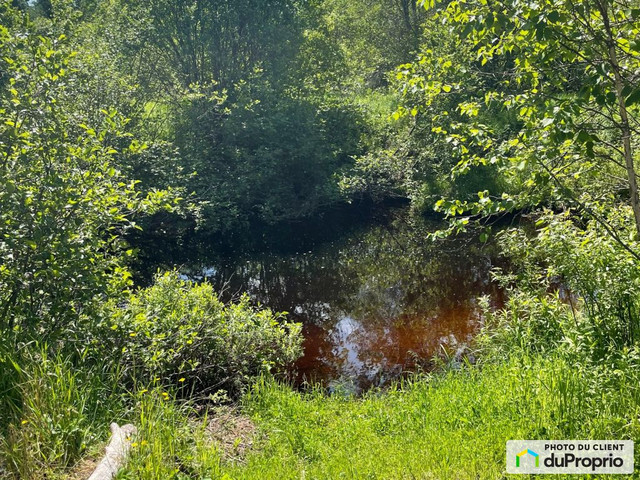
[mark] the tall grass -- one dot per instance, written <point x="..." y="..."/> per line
<point x="171" y="441"/>
<point x="54" y="412"/>
<point x="449" y="426"/>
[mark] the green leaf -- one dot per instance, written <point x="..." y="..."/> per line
<point x="547" y="121"/>
<point x="633" y="98"/>
<point x="590" y="152"/>
<point x="583" y="136"/>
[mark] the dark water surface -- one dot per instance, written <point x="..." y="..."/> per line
<point x="375" y="303"/>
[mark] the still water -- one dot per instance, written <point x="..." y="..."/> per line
<point x="375" y="303"/>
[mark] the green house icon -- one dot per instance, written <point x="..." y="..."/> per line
<point x="529" y="452"/>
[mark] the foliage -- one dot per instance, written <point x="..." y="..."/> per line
<point x="175" y="332"/>
<point x="267" y="112"/>
<point x="228" y="106"/>
<point x="594" y="310"/>
<point x="352" y="45"/>
<point x="412" y="157"/>
<point x="207" y="42"/>
<point x="243" y="143"/>
<point x="65" y="204"/>
<point x="55" y="409"/>
<point x="561" y="73"/>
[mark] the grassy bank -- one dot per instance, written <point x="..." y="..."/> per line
<point x="446" y="426"/>
<point x="451" y="425"/>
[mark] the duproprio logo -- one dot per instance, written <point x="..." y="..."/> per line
<point x="570" y="456"/>
<point x="524" y="452"/>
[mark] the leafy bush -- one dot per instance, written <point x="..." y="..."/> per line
<point x="527" y="324"/>
<point x="177" y="331"/>
<point x="65" y="204"/>
<point x="576" y="286"/>
<point x="242" y="144"/>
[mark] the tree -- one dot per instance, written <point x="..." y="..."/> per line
<point x="218" y="41"/>
<point x="569" y="74"/>
<point x="64" y="203"/>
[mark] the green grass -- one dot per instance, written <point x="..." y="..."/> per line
<point x="446" y="426"/>
<point x="452" y="426"/>
<point x="53" y="413"/>
<point x="171" y="441"/>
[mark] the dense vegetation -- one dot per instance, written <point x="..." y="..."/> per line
<point x="125" y="123"/>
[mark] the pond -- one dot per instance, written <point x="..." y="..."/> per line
<point x="375" y="303"/>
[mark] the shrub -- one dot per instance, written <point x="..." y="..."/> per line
<point x="576" y="286"/>
<point x="65" y="205"/>
<point x="528" y="324"/>
<point x="177" y="331"/>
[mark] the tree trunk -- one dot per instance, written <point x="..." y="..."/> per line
<point x="624" y="118"/>
<point x="116" y="452"/>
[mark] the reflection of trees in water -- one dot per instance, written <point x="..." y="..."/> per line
<point x="399" y="272"/>
<point x="371" y="300"/>
<point x="370" y="353"/>
<point x="309" y="286"/>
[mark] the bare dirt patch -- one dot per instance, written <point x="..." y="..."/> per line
<point x="233" y="433"/>
<point x="83" y="469"/>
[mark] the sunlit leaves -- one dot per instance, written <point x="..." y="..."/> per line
<point x="179" y="329"/>
<point x="544" y="67"/>
<point x="64" y="201"/>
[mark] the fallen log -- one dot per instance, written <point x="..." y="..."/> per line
<point x="116" y="452"/>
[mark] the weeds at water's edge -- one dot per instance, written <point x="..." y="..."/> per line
<point x="278" y="433"/>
